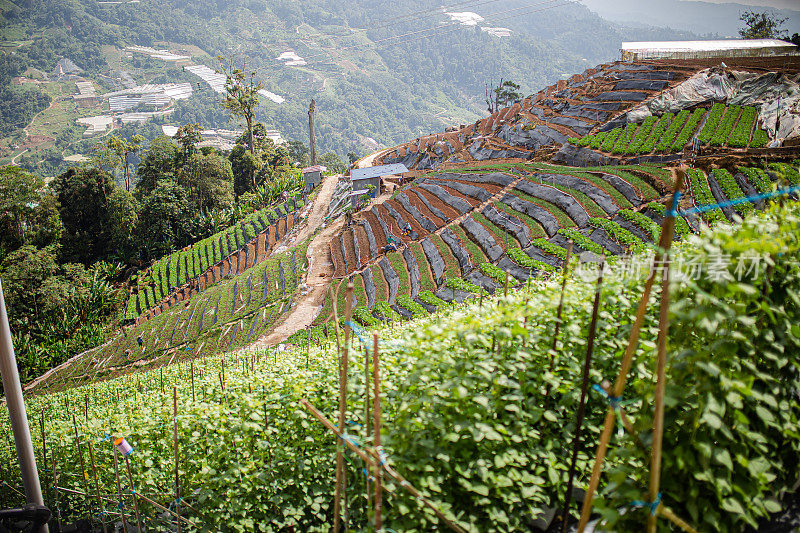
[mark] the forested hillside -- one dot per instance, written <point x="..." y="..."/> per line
<point x="365" y="86"/>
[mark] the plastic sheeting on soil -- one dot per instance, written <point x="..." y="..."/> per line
<point x="777" y="96"/>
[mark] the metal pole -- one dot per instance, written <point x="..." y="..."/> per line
<point x="16" y="412"/>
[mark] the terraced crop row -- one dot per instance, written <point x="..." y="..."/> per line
<point x="177" y="269"/>
<point x="228" y="315"/>
<point x="724" y="126"/>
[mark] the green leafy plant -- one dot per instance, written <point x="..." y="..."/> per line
<point x="712" y="122"/>
<point x="641" y="135"/>
<point x="522" y="259"/>
<point x="703" y="197"/>
<point x="725" y="126"/>
<point x="760" y="139"/>
<point x="741" y="133"/>
<point x="688" y="129"/>
<point x="666" y="139"/>
<point x="617" y="232"/>
<point x="431" y="299"/>
<point x="550" y="248"/>
<point x="732" y="189"/>
<point x="406" y="302"/>
<point x="643" y="221"/>
<point x="583" y="241"/>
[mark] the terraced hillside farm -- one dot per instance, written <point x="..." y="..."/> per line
<point x="177" y="277"/>
<point x="632" y="111"/>
<point x="481" y="229"/>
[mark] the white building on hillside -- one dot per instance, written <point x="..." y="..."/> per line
<point x="632" y="51"/>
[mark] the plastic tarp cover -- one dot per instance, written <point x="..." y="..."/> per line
<point x="772" y="93"/>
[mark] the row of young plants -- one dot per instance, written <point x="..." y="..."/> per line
<point x="178" y="268"/>
<point x="230" y="314"/>
<point x="673" y="132"/>
<point x="464" y="415"/>
<point x="702" y="195"/>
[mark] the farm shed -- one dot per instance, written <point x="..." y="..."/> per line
<point x="633" y="51"/>
<point x="312" y="176"/>
<point x="363" y="178"/>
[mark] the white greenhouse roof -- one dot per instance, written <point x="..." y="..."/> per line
<point x="374" y="172"/>
<point x="704" y="46"/>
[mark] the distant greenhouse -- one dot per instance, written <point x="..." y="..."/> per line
<point x="633" y="51"/>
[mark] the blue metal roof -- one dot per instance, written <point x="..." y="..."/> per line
<point x="374" y="172"/>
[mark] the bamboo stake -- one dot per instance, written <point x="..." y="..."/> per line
<point x="340" y="500"/>
<point x="367" y="416"/>
<point x="372" y="457"/>
<point x="376" y="440"/>
<point x="135" y="501"/>
<point x="84" y="475"/>
<point x="44" y="449"/>
<point x="55" y="494"/>
<point x="658" y="419"/>
<point x="576" y="440"/>
<point x="559" y="312"/>
<point x="505" y="286"/>
<point x="119" y="492"/>
<point x="191" y="369"/>
<point x="175" y="446"/>
<point x="97" y="487"/>
<point x="664" y="244"/>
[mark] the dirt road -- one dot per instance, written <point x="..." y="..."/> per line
<point x="320" y="270"/>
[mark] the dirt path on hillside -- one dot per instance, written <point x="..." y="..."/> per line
<point x="320" y="271"/>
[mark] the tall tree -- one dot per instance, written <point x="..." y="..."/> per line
<point x="164" y="220"/>
<point x="761" y="25"/>
<point x="241" y="98"/>
<point x="114" y="152"/>
<point x="209" y="180"/>
<point x="122" y="215"/>
<point x="188" y="136"/>
<point x="243" y="165"/>
<point x="20" y="193"/>
<point x="83" y="197"/>
<point x="158" y="164"/>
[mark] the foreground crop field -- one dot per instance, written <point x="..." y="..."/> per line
<point x="465" y="414"/>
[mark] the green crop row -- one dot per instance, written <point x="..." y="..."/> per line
<point x="503" y="238"/>
<point x="643" y="221"/>
<point x="493" y="272"/>
<point x="741" y="133"/>
<point x="703" y="197"/>
<point x="461" y="284"/>
<point x="617" y="232"/>
<point x="426" y="281"/>
<point x="711" y="123"/>
<point x="363" y="316"/>
<point x="658" y="130"/>
<point x="522" y="259"/>
<point x="563" y="219"/>
<point x="788" y="172"/>
<point x="405" y="301"/>
<point x="610" y="139"/>
<point x="624" y="138"/>
<point x="732" y="189"/>
<point x="758" y="178"/>
<point x="642" y="135"/>
<point x="550" y="248"/>
<point x="725" y="126"/>
<point x="666" y="140"/>
<point x="688" y="129"/>
<point x="176" y="269"/>
<point x="583" y="241"/>
<point x="681" y="226"/>
<point x="597" y="140"/>
<point x="431" y="299"/>
<point x="760" y="139"/>
<point x="385" y="310"/>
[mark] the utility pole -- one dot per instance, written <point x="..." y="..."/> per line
<point x="312" y="134"/>
<point x="16" y="412"/>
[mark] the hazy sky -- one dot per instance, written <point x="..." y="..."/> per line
<point x="782" y="4"/>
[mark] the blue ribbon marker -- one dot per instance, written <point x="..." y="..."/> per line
<point x="736" y="201"/>
<point x="653" y="506"/>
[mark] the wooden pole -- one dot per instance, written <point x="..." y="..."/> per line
<point x="367" y="416"/>
<point x="133" y="491"/>
<point x="576" y="440"/>
<point x="375" y="458"/>
<point x="505" y="286"/>
<point x="559" y="313"/>
<point x="119" y="492"/>
<point x="55" y="494"/>
<point x="175" y="446"/>
<point x="97" y="487"/>
<point x="664" y="244"/>
<point x="191" y="369"/>
<point x="340" y="499"/>
<point x="376" y="439"/>
<point x="84" y="475"/>
<point x="658" y="419"/>
<point x="312" y="136"/>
